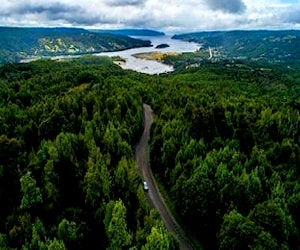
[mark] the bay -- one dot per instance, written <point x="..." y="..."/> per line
<point x="143" y="65"/>
<point x="151" y="66"/>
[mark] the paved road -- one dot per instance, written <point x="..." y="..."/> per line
<point x="153" y="195"/>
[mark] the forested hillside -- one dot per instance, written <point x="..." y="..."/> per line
<point x="23" y="43"/>
<point x="224" y="146"/>
<point x="279" y="47"/>
<point x="68" y="179"/>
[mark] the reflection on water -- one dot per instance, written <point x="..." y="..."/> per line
<point x="143" y="65"/>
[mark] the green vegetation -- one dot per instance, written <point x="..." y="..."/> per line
<point x="224" y="145"/>
<point x="276" y="47"/>
<point x="68" y="179"/>
<point x="186" y="60"/>
<point x="162" y="46"/>
<point x="23" y="43"/>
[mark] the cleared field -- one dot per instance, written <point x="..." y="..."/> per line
<point x="158" y="56"/>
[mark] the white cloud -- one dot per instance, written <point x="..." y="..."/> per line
<point x="167" y="15"/>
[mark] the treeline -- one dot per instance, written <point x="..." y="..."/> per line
<point x="280" y="47"/>
<point x="19" y="43"/>
<point x="68" y="179"/>
<point x="225" y="145"/>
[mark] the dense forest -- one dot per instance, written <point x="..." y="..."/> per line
<point x="19" y="43"/>
<point x="224" y="147"/>
<point x="279" y="47"/>
<point x="68" y="178"/>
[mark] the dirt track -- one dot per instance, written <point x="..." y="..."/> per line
<point x="153" y="195"/>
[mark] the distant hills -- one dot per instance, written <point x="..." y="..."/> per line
<point x="22" y="43"/>
<point x="276" y="47"/>
<point x="132" y="32"/>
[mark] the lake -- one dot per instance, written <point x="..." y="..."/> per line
<point x="150" y="66"/>
<point x="143" y="65"/>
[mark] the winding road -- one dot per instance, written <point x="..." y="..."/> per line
<point x="154" y="197"/>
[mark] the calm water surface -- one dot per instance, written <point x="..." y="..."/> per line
<point x="143" y="65"/>
<point x="149" y="66"/>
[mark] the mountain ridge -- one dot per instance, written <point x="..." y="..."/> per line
<point x="275" y="46"/>
<point x="18" y="43"/>
<point x="131" y="32"/>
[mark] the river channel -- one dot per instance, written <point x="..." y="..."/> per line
<point x="150" y="66"/>
<point x="144" y="65"/>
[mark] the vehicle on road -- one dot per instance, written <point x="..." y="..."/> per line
<point x="145" y="186"/>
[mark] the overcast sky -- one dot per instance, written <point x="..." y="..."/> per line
<point x="170" y="16"/>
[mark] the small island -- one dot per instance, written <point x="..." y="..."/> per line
<point x="162" y="46"/>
